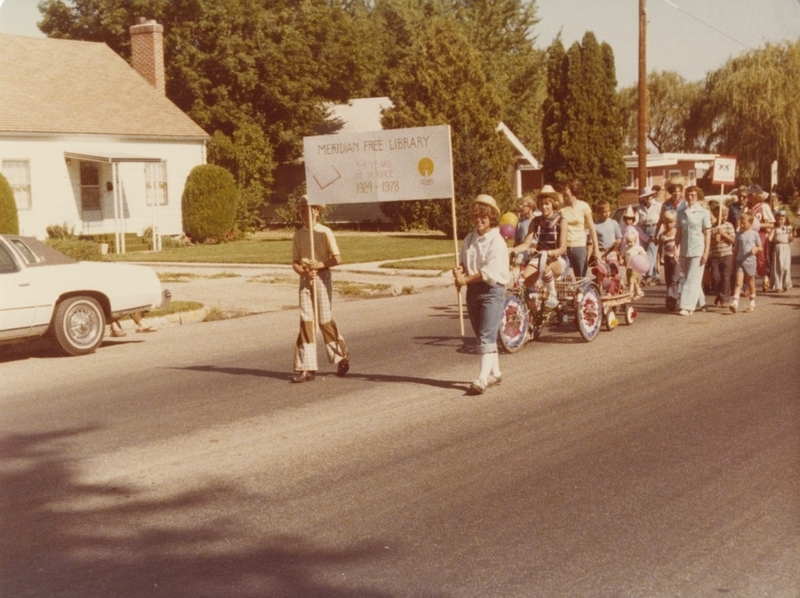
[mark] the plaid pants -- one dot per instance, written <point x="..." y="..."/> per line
<point x="305" y="350"/>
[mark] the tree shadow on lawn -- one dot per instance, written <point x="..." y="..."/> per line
<point x="62" y="537"/>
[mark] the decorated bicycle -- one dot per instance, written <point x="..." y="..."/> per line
<point x="541" y="293"/>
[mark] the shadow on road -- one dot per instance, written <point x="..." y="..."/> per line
<point x="62" y="537"/>
<point x="352" y="375"/>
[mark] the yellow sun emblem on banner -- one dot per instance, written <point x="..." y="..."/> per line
<point x="425" y="167"/>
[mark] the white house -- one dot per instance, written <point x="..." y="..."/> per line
<point x="88" y="141"/>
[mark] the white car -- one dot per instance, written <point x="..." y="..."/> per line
<point x="43" y="292"/>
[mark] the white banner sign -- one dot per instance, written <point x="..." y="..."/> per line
<point x="724" y="170"/>
<point x="389" y="165"/>
<point x="773" y="179"/>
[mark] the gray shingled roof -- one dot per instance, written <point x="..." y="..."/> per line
<point x="65" y="86"/>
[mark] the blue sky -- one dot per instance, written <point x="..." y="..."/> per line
<point x="691" y="37"/>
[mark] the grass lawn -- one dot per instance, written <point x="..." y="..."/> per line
<point x="275" y="247"/>
<point x="442" y="264"/>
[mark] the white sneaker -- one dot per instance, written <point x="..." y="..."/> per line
<point x="734" y="306"/>
<point x="492" y="380"/>
<point x="552" y="302"/>
<point x="478" y="387"/>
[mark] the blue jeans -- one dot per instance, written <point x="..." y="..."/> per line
<point x="485" y="309"/>
<point x="577" y="257"/>
<point x="652" y="252"/>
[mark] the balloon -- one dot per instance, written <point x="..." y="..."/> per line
<point x="509" y="218"/>
<point x="507" y="230"/>
<point x="640" y="264"/>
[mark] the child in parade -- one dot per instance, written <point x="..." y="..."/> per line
<point x="633" y="249"/>
<point x="609" y="234"/>
<point x="669" y="258"/>
<point x="745" y="249"/>
<point x="315" y="275"/>
<point x="547" y="261"/>
<point x="720" y="261"/>
<point x="483" y="269"/>
<point x="629" y="224"/>
<point x="780" y="238"/>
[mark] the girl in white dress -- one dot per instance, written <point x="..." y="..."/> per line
<point x="780" y="238"/>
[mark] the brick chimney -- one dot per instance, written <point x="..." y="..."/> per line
<point x="147" y="52"/>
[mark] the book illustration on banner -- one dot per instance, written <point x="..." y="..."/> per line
<point x="327" y="176"/>
<point x="425" y="168"/>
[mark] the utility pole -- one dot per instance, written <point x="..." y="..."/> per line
<point x="642" y="137"/>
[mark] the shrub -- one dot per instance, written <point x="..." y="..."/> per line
<point x="60" y="231"/>
<point x="209" y="203"/>
<point x="82" y="251"/>
<point x="9" y="219"/>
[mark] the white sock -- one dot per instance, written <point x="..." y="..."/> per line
<point x="496" y="365"/>
<point x="487" y="361"/>
<point x="551" y="288"/>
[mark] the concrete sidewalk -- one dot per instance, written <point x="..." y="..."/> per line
<point x="234" y="290"/>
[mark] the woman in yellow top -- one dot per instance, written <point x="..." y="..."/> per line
<point x="578" y="215"/>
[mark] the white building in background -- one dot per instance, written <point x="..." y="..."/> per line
<point x="88" y="141"/>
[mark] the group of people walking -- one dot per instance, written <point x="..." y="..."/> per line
<point x="701" y="251"/>
<point x="698" y="249"/>
<point x="717" y="250"/>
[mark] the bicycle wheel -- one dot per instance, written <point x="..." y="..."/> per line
<point x="516" y="319"/>
<point x="588" y="312"/>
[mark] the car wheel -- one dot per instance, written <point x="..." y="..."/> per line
<point x="79" y="325"/>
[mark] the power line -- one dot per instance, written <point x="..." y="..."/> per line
<point x="673" y="5"/>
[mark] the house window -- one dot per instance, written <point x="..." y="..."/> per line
<point x="631" y="178"/>
<point x="90" y="187"/>
<point x="649" y="178"/>
<point x="18" y="175"/>
<point x="155" y="176"/>
<point x="674" y="174"/>
<point x="692" y="177"/>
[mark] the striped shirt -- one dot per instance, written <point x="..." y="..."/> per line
<point x="722" y="247"/>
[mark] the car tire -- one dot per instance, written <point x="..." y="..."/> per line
<point x="79" y="325"/>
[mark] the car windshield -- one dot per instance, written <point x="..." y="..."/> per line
<point x="37" y="253"/>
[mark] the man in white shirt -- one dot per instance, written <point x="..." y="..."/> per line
<point x="647" y="216"/>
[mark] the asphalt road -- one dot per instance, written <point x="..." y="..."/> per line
<point x="663" y="459"/>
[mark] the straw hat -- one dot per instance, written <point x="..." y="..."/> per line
<point x="486" y="200"/>
<point x="646" y="192"/>
<point x="548" y="191"/>
<point x="629" y="213"/>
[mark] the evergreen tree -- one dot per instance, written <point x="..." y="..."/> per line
<point x="554" y="165"/>
<point x="441" y="82"/>
<point x="582" y="125"/>
<point x="9" y="218"/>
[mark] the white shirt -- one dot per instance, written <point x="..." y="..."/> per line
<point x="487" y="254"/>
<point x="648" y="215"/>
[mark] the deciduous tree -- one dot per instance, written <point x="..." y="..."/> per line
<point x="751" y="109"/>
<point x="670" y="99"/>
<point x="442" y="82"/>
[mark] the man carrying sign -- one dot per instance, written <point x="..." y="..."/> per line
<point x="313" y="255"/>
